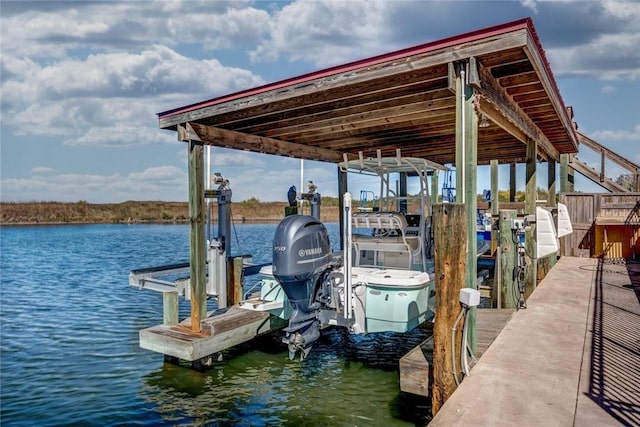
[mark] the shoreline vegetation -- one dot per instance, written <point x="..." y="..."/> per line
<point x="138" y="212"/>
<point x="160" y="212"/>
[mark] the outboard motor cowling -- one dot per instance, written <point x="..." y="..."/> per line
<point x="301" y="257"/>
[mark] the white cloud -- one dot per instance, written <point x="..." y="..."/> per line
<point x="530" y="4"/>
<point x="158" y="183"/>
<point x="271" y="181"/>
<point x="97" y="98"/>
<point x="159" y="70"/>
<point x="609" y="89"/>
<point x="226" y="157"/>
<point x="122" y="136"/>
<point x="325" y="32"/>
<point x="606" y="56"/>
<point x="618" y="135"/>
<point x="46" y="29"/>
<point x="41" y="169"/>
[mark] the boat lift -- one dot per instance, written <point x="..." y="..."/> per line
<point x="175" y="277"/>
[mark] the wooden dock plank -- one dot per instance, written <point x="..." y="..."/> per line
<point x="490" y="323"/>
<point x="533" y="370"/>
<point x="220" y="332"/>
<point x="414" y="369"/>
<point x="415" y="366"/>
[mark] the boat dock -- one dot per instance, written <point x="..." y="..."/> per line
<point x="571" y="358"/>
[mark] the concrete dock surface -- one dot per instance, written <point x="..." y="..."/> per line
<point x="571" y="358"/>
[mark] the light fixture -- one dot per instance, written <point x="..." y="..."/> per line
<point x="484" y="122"/>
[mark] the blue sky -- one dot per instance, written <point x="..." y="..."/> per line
<point x="81" y="82"/>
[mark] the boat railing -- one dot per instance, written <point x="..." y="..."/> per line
<point x="390" y="234"/>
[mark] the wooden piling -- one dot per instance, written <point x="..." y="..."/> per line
<point x="496" y="298"/>
<point x="507" y="253"/>
<point x="566" y="174"/>
<point x="434" y="188"/>
<point x="197" y="248"/>
<point x="450" y="265"/>
<point x="234" y="282"/>
<point x="512" y="182"/>
<point x="551" y="201"/>
<point x="531" y="195"/>
<point x="170" y="308"/>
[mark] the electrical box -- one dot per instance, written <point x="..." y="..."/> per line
<point x="470" y="297"/>
<point x="517" y="224"/>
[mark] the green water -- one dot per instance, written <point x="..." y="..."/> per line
<point x="70" y="354"/>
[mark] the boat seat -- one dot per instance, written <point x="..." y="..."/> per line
<point x="384" y="221"/>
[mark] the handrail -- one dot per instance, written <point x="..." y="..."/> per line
<point x="599" y="176"/>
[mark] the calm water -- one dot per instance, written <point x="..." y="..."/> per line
<point x="70" y="355"/>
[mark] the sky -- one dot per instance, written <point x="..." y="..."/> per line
<point x="81" y="83"/>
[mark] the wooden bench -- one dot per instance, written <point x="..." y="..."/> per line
<point x="384" y="222"/>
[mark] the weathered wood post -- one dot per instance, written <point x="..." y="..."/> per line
<point x="170" y="308"/>
<point x="531" y="194"/>
<point x="197" y="245"/>
<point x="512" y="182"/>
<point x="450" y="266"/>
<point x="234" y="282"/>
<point x="467" y="173"/>
<point x="495" y="294"/>
<point x="552" y="199"/>
<point x="566" y="174"/>
<point x="434" y="188"/>
<point x="342" y="188"/>
<point x="508" y="285"/>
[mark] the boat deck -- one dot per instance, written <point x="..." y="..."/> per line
<point x="571" y="358"/>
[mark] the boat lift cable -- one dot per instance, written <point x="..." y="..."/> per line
<point x="235" y="232"/>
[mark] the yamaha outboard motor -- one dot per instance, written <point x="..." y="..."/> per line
<point x="301" y="259"/>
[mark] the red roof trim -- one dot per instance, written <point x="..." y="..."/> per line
<point x="415" y="50"/>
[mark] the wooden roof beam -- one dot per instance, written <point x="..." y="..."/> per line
<point x="214" y="136"/>
<point x="538" y="63"/>
<point x="342" y="80"/>
<point x="493" y="101"/>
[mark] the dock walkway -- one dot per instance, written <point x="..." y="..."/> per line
<point x="572" y="358"/>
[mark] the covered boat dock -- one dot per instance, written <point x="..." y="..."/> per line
<point x="482" y="98"/>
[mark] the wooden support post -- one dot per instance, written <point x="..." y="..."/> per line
<point x="507" y="253"/>
<point x="234" y="283"/>
<point x="494" y="188"/>
<point x="450" y="265"/>
<point x="197" y="247"/>
<point x="466" y="180"/>
<point x="512" y="182"/>
<point x="342" y="188"/>
<point x="602" y="162"/>
<point x="530" y="209"/>
<point x="434" y="188"/>
<point x="170" y="308"/>
<point x="495" y="295"/>
<point x="551" y="198"/>
<point x="566" y="174"/>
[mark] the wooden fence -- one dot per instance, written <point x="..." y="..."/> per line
<point x="604" y="225"/>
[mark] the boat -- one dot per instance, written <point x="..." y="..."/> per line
<point x="383" y="281"/>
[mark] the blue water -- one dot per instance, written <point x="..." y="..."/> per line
<point x="70" y="356"/>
